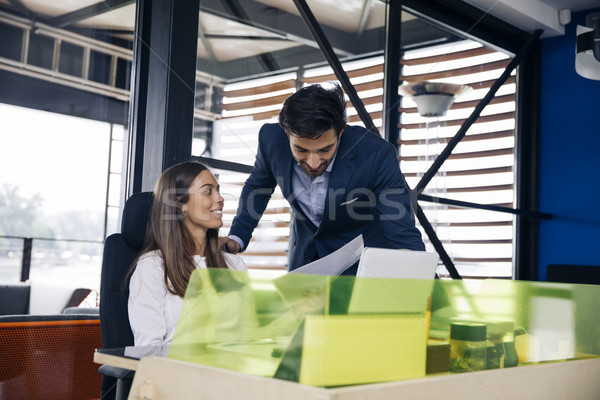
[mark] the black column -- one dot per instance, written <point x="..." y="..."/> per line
<point x="391" y="77"/>
<point x="527" y="136"/>
<point x="315" y="29"/>
<point x="162" y="104"/>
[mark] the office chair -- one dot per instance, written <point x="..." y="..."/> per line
<point x="120" y="250"/>
<point x="49" y="356"/>
<point x="566" y="273"/>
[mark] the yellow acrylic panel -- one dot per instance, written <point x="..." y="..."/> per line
<point x="352" y="349"/>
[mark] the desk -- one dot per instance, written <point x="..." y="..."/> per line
<point x="115" y="358"/>
<point x="161" y="378"/>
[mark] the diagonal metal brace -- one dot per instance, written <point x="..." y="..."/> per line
<point x="433" y="169"/>
<point x="435" y="166"/>
<point x="334" y="63"/>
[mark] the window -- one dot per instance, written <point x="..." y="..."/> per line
<point x="63" y="113"/>
<point x="54" y="192"/>
<point x="480" y="169"/>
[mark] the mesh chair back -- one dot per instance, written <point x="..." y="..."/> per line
<point x="49" y="357"/>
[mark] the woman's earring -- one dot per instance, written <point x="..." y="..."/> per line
<point x="184" y="211"/>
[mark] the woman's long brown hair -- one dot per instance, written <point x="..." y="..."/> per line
<point x="167" y="232"/>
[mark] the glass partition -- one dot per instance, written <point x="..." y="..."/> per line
<point x="253" y="56"/>
<point x="65" y="70"/>
<point x="331" y="331"/>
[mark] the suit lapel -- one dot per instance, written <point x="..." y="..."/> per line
<point x="342" y="171"/>
<point x="284" y="180"/>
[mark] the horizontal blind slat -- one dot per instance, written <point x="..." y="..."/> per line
<point x="268" y="101"/>
<point x="472" y="154"/>
<point x="262" y="89"/>
<point x="457" y="55"/>
<point x="453" y="73"/>
<point x="490" y="188"/>
<point x="466" y="104"/>
<point x="467" y="138"/>
<point x="459" y="122"/>
<point x="469" y="172"/>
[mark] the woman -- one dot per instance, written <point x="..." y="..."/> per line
<point x="182" y="235"/>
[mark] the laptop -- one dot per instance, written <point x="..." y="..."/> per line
<point x="393" y="281"/>
<point x="397" y="263"/>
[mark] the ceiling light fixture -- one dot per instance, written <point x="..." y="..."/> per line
<point x="587" y="53"/>
<point x="433" y="99"/>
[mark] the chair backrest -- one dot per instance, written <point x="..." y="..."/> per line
<point x="120" y="250"/>
<point x="14" y="298"/>
<point x="566" y="273"/>
<point x="49" y="356"/>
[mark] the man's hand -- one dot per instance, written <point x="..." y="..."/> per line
<point x="229" y="245"/>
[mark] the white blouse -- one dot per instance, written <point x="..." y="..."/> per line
<point x="153" y="310"/>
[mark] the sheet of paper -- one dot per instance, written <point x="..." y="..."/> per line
<point x="312" y="279"/>
<point x="336" y="262"/>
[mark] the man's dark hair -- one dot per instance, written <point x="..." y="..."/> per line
<point x="313" y="110"/>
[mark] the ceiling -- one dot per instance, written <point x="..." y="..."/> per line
<point x="240" y="38"/>
<point x="530" y="15"/>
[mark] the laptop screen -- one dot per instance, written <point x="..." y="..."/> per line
<point x="393" y="281"/>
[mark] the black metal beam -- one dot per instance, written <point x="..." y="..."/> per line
<point x="527" y="138"/>
<point x="222" y="164"/>
<point x="138" y="106"/>
<point x="266" y="59"/>
<point x="488" y="207"/>
<point x="236" y="37"/>
<point x="21" y="8"/>
<point x="24" y="91"/>
<point x="435" y="166"/>
<point x="391" y="76"/>
<point x="417" y="193"/>
<point x="163" y="103"/>
<point x="88" y="12"/>
<point x="26" y="260"/>
<point x="334" y="62"/>
<point x="433" y="238"/>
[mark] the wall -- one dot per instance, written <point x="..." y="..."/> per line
<point x="570" y="156"/>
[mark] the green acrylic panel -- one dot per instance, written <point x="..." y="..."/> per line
<point x="246" y="323"/>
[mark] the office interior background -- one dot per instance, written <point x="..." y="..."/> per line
<point x="97" y="98"/>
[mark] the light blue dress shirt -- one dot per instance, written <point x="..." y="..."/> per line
<point x="309" y="193"/>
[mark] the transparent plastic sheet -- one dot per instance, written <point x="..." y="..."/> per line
<point x="333" y="331"/>
<point x="551" y="321"/>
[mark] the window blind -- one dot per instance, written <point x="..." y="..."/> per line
<point x="480" y="170"/>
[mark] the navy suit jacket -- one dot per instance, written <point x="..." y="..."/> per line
<point x="367" y="195"/>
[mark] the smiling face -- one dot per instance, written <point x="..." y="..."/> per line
<point x="204" y="207"/>
<point x="314" y="155"/>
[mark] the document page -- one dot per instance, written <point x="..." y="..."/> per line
<point x="313" y="279"/>
<point x="336" y="262"/>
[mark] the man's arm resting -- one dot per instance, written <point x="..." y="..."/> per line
<point x="232" y="244"/>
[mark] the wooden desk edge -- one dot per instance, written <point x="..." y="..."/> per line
<point x="115" y="361"/>
<point x="172" y="379"/>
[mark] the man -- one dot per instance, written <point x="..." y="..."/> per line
<point x="340" y="180"/>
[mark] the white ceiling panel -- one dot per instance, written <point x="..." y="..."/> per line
<point x="212" y="24"/>
<point x="122" y="18"/>
<point x="54" y="8"/>
<point x="229" y="49"/>
<point x="344" y="15"/>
